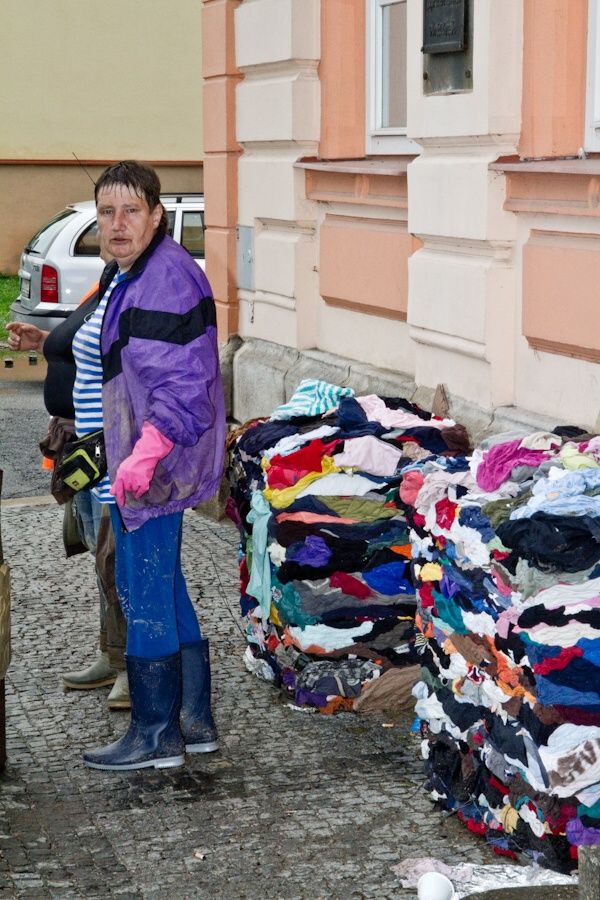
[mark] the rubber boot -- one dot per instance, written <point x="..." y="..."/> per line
<point x="197" y="723"/>
<point x="154" y="737"/>
<point x="119" y="696"/>
<point x="99" y="674"/>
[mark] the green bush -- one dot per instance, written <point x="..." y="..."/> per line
<point x="9" y="289"/>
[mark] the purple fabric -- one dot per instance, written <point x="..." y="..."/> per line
<point x="578" y="834"/>
<point x="499" y="461"/>
<point x="308" y="698"/>
<point x="312" y="552"/>
<point x="171" y="380"/>
<point x="288" y="677"/>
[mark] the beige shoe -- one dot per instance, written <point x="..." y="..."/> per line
<point x="99" y="674"/>
<point x="119" y="696"/>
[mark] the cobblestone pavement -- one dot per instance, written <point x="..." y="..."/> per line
<point x="295" y="805"/>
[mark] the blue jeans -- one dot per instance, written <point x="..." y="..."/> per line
<point x="151" y="587"/>
<point x="96" y="532"/>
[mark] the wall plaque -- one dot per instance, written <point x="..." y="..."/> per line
<point x="444" y="26"/>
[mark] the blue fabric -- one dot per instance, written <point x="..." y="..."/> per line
<point x="590" y="649"/>
<point x="259" y="585"/>
<point x="88" y="512"/>
<point x="151" y="587"/>
<point x="388" y="579"/>
<point x="472" y="517"/>
<point x="550" y="694"/>
<point x="352" y="420"/>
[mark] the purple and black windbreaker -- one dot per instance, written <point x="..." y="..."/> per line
<point x="160" y="364"/>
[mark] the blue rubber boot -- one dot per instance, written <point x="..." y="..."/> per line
<point x="154" y="737"/>
<point x="197" y="723"/>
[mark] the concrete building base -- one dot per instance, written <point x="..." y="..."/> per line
<point x="260" y="375"/>
<point x="589" y="873"/>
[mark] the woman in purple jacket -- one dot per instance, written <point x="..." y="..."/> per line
<point x="148" y="373"/>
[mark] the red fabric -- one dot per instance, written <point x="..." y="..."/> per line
<point x="445" y="512"/>
<point x="497" y="784"/>
<point x="419" y="520"/>
<point x="350" y="585"/>
<point x="558" y="662"/>
<point x="244" y="575"/>
<point x="501" y="851"/>
<point x="476" y="827"/>
<point x="272" y="643"/>
<point x="500" y="554"/>
<point x="426" y="595"/>
<point x="285" y="471"/>
<point x="577" y="715"/>
<point x="558" y="824"/>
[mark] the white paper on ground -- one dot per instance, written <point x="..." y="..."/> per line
<point x="468" y="879"/>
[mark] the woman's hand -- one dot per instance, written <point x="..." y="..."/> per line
<point x="25" y="337"/>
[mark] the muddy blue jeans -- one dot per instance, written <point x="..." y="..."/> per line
<point x="151" y="587"/>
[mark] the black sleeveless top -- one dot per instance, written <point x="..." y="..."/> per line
<point x="58" y="350"/>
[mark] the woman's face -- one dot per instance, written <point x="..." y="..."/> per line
<point x="126" y="224"/>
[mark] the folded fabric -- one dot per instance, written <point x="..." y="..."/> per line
<point x="312" y="397"/>
<point x="323" y="638"/>
<point x="369" y="455"/>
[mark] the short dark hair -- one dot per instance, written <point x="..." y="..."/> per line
<point x="136" y="176"/>
<point x="140" y="178"/>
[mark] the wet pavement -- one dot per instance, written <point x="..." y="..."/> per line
<point x="295" y="804"/>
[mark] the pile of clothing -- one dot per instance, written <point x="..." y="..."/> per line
<point x="506" y="559"/>
<point x="326" y="581"/>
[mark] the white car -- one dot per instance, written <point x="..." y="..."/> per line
<point x="61" y="262"/>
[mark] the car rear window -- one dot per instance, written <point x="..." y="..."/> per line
<point x="42" y="239"/>
<point x="88" y="243"/>
<point x="192" y="233"/>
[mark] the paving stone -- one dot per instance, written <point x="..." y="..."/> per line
<point x="294" y="806"/>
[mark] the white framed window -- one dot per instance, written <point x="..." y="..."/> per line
<point x="592" y="106"/>
<point x="386" y="78"/>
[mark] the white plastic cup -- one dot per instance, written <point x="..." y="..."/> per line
<point x="435" y="886"/>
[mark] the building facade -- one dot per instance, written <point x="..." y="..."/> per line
<point x="408" y="188"/>
<point x="99" y="81"/>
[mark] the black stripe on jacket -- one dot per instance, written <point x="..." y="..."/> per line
<point x="152" y="325"/>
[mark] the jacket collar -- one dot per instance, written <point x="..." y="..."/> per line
<point x="111" y="268"/>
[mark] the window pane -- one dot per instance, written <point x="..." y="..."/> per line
<point x="88" y="244"/>
<point x="171" y="220"/>
<point x="192" y="233"/>
<point x="393" y="74"/>
<point x="40" y="242"/>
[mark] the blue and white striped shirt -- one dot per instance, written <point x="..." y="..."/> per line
<point x="87" y="393"/>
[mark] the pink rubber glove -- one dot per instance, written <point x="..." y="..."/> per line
<point x="135" y="473"/>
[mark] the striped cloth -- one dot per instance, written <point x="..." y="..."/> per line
<point x="87" y="393"/>
<point x="311" y="398"/>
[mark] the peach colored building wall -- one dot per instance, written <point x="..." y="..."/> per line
<point x="342" y="74"/>
<point x="564" y="269"/>
<point x="364" y="244"/>
<point x="554" y="77"/>
<point x="221" y="158"/>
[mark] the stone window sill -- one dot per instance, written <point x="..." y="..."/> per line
<point x="569" y="187"/>
<point x="370" y="182"/>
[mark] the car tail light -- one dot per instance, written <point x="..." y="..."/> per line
<point x="49" y="292"/>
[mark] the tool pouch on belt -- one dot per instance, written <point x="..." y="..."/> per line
<point x="82" y="464"/>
